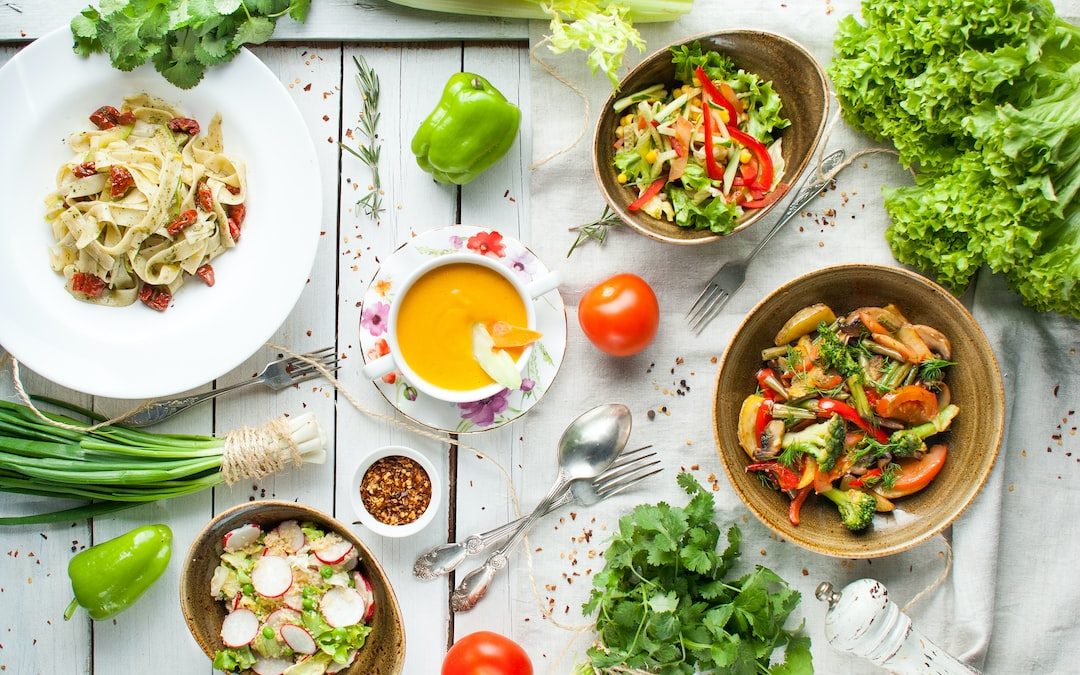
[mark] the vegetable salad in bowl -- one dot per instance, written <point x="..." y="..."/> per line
<point x="297" y="605"/>
<point x="849" y="408"/>
<point x="706" y="152"/>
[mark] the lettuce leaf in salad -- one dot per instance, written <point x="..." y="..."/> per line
<point x="311" y="531"/>
<point x="687" y="58"/>
<point x="604" y="32"/>
<point x="232" y="660"/>
<point x="713" y="214"/>
<point x="334" y="642"/>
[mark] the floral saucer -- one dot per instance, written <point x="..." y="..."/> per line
<point x="497" y="410"/>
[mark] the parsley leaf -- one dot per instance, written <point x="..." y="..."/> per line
<point x="663" y="603"/>
<point x="181" y="38"/>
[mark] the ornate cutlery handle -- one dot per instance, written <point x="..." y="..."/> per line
<point x="160" y="411"/>
<point x="445" y="558"/>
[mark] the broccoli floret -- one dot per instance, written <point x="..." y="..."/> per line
<point x="856" y="507"/>
<point x="907" y="442"/>
<point x="823" y="441"/>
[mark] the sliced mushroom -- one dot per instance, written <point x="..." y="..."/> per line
<point x="769" y="441"/>
<point x="896" y="346"/>
<point x="935" y="340"/>
<point x="913" y="341"/>
<point x="944" y="396"/>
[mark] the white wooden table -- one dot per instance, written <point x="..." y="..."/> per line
<point x="315" y="62"/>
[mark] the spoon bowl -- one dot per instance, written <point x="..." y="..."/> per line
<point x="592" y="441"/>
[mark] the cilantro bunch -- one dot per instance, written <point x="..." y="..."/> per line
<point x="182" y="37"/>
<point x="665" y="606"/>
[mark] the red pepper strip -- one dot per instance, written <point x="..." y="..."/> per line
<point x="785" y="477"/>
<point x="711" y="167"/>
<point x="828" y="406"/>
<point x="796" y="504"/>
<point x="764" y="416"/>
<point x="748" y="172"/>
<point x="655" y="124"/>
<point x="762" y="202"/>
<point x="765" y="167"/>
<point x="858" y="482"/>
<point x="710" y="89"/>
<point x="648" y="194"/>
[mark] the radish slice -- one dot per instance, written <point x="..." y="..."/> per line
<point x="294" y="599"/>
<point x="298" y="639"/>
<point x="241" y="537"/>
<point x="291" y="534"/>
<point x="342" y="607"/>
<point x="239" y="628"/>
<point x="350" y="561"/>
<point x="236" y="601"/>
<point x="363" y="587"/>
<point x="338" y="667"/>
<point x="271" y="576"/>
<point x="271" y="666"/>
<point x="280" y="617"/>
<point x="334" y="554"/>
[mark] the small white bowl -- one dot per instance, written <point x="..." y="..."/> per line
<point x="380" y="528"/>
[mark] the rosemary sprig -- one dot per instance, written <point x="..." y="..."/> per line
<point x="369" y="148"/>
<point x="596" y="231"/>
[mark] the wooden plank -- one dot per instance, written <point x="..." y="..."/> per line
<point x="411" y="81"/>
<point x="498" y="199"/>
<point x="36" y="638"/>
<point x="349" y="20"/>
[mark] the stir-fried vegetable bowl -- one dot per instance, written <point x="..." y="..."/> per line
<point x="845" y="408"/>
<point x="702" y="171"/>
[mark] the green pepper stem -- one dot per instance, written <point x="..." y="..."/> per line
<point x="70" y="611"/>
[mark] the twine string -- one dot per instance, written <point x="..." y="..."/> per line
<point x="255" y="452"/>
<point x="550" y="70"/>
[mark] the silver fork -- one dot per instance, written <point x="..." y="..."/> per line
<point x="276" y="375"/>
<point x="628" y="470"/>
<point x="726" y="282"/>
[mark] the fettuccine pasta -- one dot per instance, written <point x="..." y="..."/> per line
<point x="144" y="203"/>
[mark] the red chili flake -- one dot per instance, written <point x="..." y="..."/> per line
<point x="206" y="273"/>
<point x="105" y="117"/>
<point x="204" y="197"/>
<point x="185" y="219"/>
<point x="184" y="125"/>
<point x="155" y="298"/>
<point x="84" y="170"/>
<point x="87" y="284"/>
<point x="120" y="181"/>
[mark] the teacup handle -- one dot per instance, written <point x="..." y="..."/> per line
<point x="379" y="367"/>
<point x="548" y="282"/>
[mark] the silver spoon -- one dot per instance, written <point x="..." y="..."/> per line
<point x="586" y="449"/>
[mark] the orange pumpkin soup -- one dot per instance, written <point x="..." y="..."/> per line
<point x="436" y="317"/>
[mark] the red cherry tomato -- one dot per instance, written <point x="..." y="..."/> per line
<point x="620" y="316"/>
<point x="486" y="653"/>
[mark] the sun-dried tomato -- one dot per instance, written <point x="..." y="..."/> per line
<point x="234" y="230"/>
<point x="154" y="297"/>
<point x="87" y="284"/>
<point x="125" y="117"/>
<point x="233" y="190"/>
<point x="120" y="181"/>
<point x="105" y="117"/>
<point x="237" y="212"/>
<point x="204" y="197"/>
<point x="84" y="170"/>
<point x="206" y="273"/>
<point x="185" y="219"/>
<point x="184" y="125"/>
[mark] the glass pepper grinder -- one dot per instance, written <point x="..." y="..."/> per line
<point x="861" y="620"/>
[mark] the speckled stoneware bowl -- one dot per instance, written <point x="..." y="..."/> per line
<point x="384" y="652"/>
<point x="795" y="75"/>
<point x="974" y="439"/>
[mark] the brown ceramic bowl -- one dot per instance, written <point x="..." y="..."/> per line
<point x="973" y="440"/>
<point x="795" y="75"/>
<point x="384" y="652"/>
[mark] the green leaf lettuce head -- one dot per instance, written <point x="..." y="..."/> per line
<point x="181" y="38"/>
<point x="664" y="602"/>
<point x="983" y="101"/>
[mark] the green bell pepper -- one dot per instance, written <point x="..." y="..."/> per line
<point x="109" y="577"/>
<point x="471" y="128"/>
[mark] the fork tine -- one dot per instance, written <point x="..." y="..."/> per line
<point x="620" y="468"/>
<point x="707" y="318"/>
<point x="705" y="291"/>
<point x="320" y="352"/>
<point x="307" y="370"/>
<point x="611" y="491"/>
<point x="327" y="358"/>
<point x="311" y="374"/>
<point x="696" y="323"/>
<point x="611" y="477"/>
<point x="714" y="295"/>
<point x="628" y="457"/>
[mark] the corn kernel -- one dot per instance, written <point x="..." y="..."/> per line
<point x="627" y="119"/>
<point x="697" y="82"/>
<point x="622" y="178"/>
<point x="725" y="117"/>
<point x="650" y="157"/>
<point x="745" y="156"/>
<point x="620" y="132"/>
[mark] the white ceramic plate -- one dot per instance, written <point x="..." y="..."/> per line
<point x="134" y="352"/>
